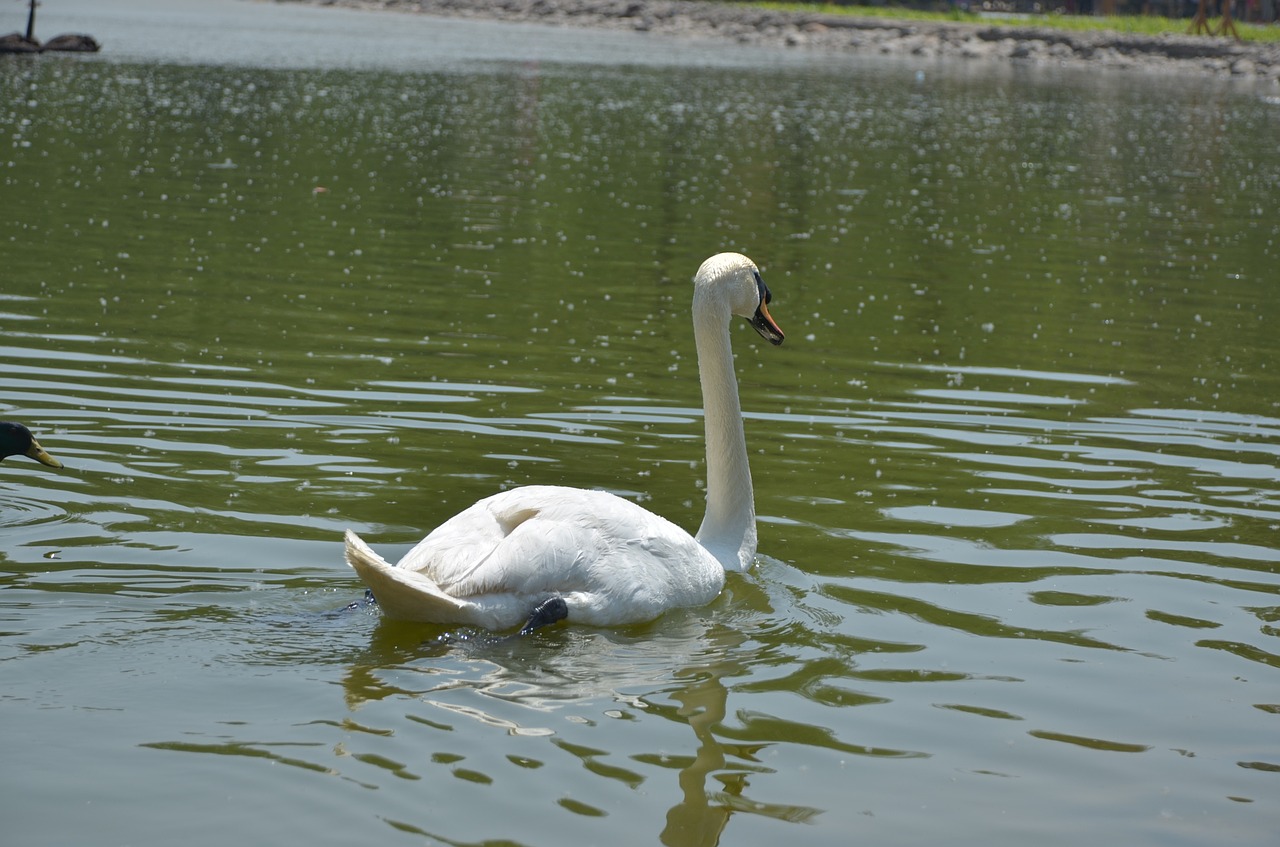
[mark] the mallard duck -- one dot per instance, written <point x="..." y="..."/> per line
<point x="17" y="440"/>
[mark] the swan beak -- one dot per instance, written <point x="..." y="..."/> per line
<point x="766" y="326"/>
<point x="35" y="451"/>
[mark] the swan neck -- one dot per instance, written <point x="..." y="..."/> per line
<point x="728" y="529"/>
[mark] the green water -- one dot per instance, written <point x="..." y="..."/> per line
<point x="1016" y="463"/>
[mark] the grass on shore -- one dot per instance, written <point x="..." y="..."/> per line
<point x="1133" y="24"/>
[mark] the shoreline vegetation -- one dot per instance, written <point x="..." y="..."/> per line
<point x="1040" y="40"/>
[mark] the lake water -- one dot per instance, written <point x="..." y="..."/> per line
<point x="1016" y="464"/>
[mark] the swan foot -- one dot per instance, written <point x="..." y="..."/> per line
<point x="546" y="612"/>
<point x="369" y="600"/>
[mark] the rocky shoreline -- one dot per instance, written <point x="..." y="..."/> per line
<point x="805" y="29"/>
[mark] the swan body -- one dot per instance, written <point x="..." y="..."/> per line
<point x="610" y="561"/>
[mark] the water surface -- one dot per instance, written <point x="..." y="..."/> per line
<point x="1016" y="464"/>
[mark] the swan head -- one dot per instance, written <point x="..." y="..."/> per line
<point x="730" y="282"/>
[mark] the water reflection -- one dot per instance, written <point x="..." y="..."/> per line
<point x="1016" y="476"/>
<point x="705" y="811"/>
<point x="556" y="671"/>
<point x="701" y="818"/>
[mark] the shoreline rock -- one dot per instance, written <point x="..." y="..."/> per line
<point x="16" y="42"/>
<point x="813" y="30"/>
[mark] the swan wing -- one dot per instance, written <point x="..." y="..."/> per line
<point x="612" y="560"/>
<point x="403" y="594"/>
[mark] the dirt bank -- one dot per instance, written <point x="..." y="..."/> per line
<point x="812" y="30"/>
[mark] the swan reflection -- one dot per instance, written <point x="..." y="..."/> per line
<point x="551" y="684"/>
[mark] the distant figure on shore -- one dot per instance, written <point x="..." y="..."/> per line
<point x="73" y="43"/>
<point x="16" y="42"/>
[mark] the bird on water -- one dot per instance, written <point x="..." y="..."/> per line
<point x="17" y="440"/>
<point x="542" y="553"/>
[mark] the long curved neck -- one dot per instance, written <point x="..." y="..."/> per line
<point x="728" y="530"/>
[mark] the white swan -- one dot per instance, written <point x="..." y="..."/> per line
<point x="540" y="553"/>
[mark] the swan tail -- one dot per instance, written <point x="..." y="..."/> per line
<point x="404" y="594"/>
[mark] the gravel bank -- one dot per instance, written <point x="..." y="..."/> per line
<point x="811" y="30"/>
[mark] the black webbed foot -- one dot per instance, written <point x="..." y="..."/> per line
<point x="546" y="612"/>
<point x="369" y="600"/>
